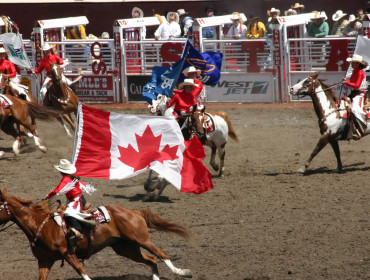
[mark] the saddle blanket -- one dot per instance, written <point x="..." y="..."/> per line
<point x="209" y="124"/>
<point x="100" y="215"/>
<point x="5" y="101"/>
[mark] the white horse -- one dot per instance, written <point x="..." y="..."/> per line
<point x="333" y="121"/>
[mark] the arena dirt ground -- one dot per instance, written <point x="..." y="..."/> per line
<point x="262" y="221"/>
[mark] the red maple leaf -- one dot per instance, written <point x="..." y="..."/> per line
<point x="148" y="146"/>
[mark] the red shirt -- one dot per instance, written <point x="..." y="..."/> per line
<point x="197" y="89"/>
<point x="9" y="67"/>
<point x="183" y="101"/>
<point x="53" y="58"/>
<point x="356" y="79"/>
<point x="76" y="191"/>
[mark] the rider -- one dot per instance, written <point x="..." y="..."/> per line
<point x="49" y="56"/>
<point x="72" y="187"/>
<point x="10" y="69"/>
<point x="198" y="91"/>
<point x="357" y="82"/>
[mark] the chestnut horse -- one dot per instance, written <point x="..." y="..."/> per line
<point x="126" y="233"/>
<point x="332" y="122"/>
<point x="62" y="97"/>
<point x="18" y="113"/>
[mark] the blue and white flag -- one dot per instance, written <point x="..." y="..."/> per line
<point x="13" y="44"/>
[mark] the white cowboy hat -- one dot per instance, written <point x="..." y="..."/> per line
<point x="273" y="10"/>
<point x="297" y="6"/>
<point x="290" y="11"/>
<point x="105" y="35"/>
<point x="352" y="18"/>
<point x="187" y="82"/>
<point x="136" y="9"/>
<point x="176" y="15"/>
<point x="182" y="12"/>
<point x="65" y="167"/>
<point x="236" y="16"/>
<point x="191" y="69"/>
<point x="2" y="50"/>
<point x="338" y="15"/>
<point x="356" y="58"/>
<point x="321" y="15"/>
<point x="46" y="47"/>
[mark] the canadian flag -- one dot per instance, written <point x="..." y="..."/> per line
<point x="117" y="146"/>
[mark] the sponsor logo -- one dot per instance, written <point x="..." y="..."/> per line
<point x="243" y="87"/>
<point x="16" y="52"/>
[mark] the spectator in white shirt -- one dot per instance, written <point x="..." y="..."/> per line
<point x="170" y="28"/>
<point x="237" y="29"/>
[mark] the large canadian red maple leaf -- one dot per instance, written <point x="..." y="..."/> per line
<point x="148" y="146"/>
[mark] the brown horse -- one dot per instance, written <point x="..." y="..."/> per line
<point x="126" y="233"/>
<point x="18" y="113"/>
<point x="213" y="128"/>
<point x="62" y="97"/>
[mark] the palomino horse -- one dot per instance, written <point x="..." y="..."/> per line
<point x="213" y="129"/>
<point x="18" y="112"/>
<point x="62" y="97"/>
<point x="332" y="122"/>
<point x="126" y="233"/>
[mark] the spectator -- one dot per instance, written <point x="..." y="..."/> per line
<point x="105" y="35"/>
<point x="255" y="29"/>
<point x="290" y="12"/>
<point x="353" y="28"/>
<point x="169" y="29"/>
<point x="209" y="32"/>
<point x="340" y="23"/>
<point x="76" y="32"/>
<point x="237" y="29"/>
<point x="319" y="28"/>
<point x="360" y="14"/>
<point x="273" y="13"/>
<point x="138" y="13"/>
<point x="186" y="23"/>
<point x="298" y="8"/>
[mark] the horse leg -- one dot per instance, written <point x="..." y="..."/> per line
<point x="60" y="119"/>
<point x="68" y="118"/>
<point x="44" y="268"/>
<point x="77" y="265"/>
<point x="221" y="155"/>
<point x="213" y="157"/>
<point x="161" y="188"/>
<point x="334" y="144"/>
<point x="323" y="141"/>
<point x="148" y="181"/>
<point x="8" y="128"/>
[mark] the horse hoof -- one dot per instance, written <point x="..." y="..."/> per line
<point x="186" y="273"/>
<point x="29" y="134"/>
<point x="2" y="153"/>
<point x="302" y="170"/>
<point x="43" y="148"/>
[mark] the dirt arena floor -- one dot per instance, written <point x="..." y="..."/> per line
<point x="262" y="221"/>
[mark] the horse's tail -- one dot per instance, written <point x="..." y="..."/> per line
<point x="154" y="221"/>
<point x="232" y="132"/>
<point x="41" y="112"/>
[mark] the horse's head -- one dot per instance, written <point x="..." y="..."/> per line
<point x="197" y="124"/>
<point x="159" y="106"/>
<point x="4" y="82"/>
<point x="306" y="86"/>
<point x="56" y="73"/>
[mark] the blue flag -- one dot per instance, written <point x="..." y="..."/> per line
<point x="164" y="79"/>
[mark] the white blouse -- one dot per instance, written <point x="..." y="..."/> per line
<point x="166" y="29"/>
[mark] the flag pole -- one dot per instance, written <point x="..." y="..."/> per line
<point x="76" y="128"/>
<point x="184" y="55"/>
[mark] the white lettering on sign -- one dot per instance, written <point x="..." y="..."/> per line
<point x="95" y="83"/>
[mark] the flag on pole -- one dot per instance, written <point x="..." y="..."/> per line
<point x="118" y="146"/>
<point x="13" y="43"/>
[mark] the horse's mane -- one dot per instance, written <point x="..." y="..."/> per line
<point x="329" y="92"/>
<point x="42" y="206"/>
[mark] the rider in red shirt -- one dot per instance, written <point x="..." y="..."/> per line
<point x="198" y="91"/>
<point x="72" y="187"/>
<point x="183" y="98"/>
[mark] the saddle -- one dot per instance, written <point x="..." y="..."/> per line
<point x="5" y="101"/>
<point x="209" y="124"/>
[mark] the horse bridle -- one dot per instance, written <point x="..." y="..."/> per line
<point x="5" y="206"/>
<point x="311" y="82"/>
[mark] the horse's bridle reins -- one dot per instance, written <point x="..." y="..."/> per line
<point x="58" y="80"/>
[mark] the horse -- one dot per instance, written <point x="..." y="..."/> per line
<point x="16" y="113"/>
<point x="333" y="118"/>
<point x="213" y="129"/>
<point x="62" y="97"/>
<point x="125" y="233"/>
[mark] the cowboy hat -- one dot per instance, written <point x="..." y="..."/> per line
<point x="357" y="58"/>
<point x="321" y="15"/>
<point x="297" y="6"/>
<point x="236" y="16"/>
<point x="273" y="10"/>
<point x="46" y="47"/>
<point x="65" y="166"/>
<point x="105" y="35"/>
<point x="187" y="82"/>
<point x="338" y="15"/>
<point x="2" y="50"/>
<point x="136" y="9"/>
<point x="253" y="17"/>
<point x="173" y="13"/>
<point x="182" y="12"/>
<point x="290" y="12"/>
<point x="352" y="18"/>
<point x="191" y="69"/>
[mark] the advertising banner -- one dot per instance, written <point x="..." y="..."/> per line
<point x="243" y="88"/>
<point x="135" y="85"/>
